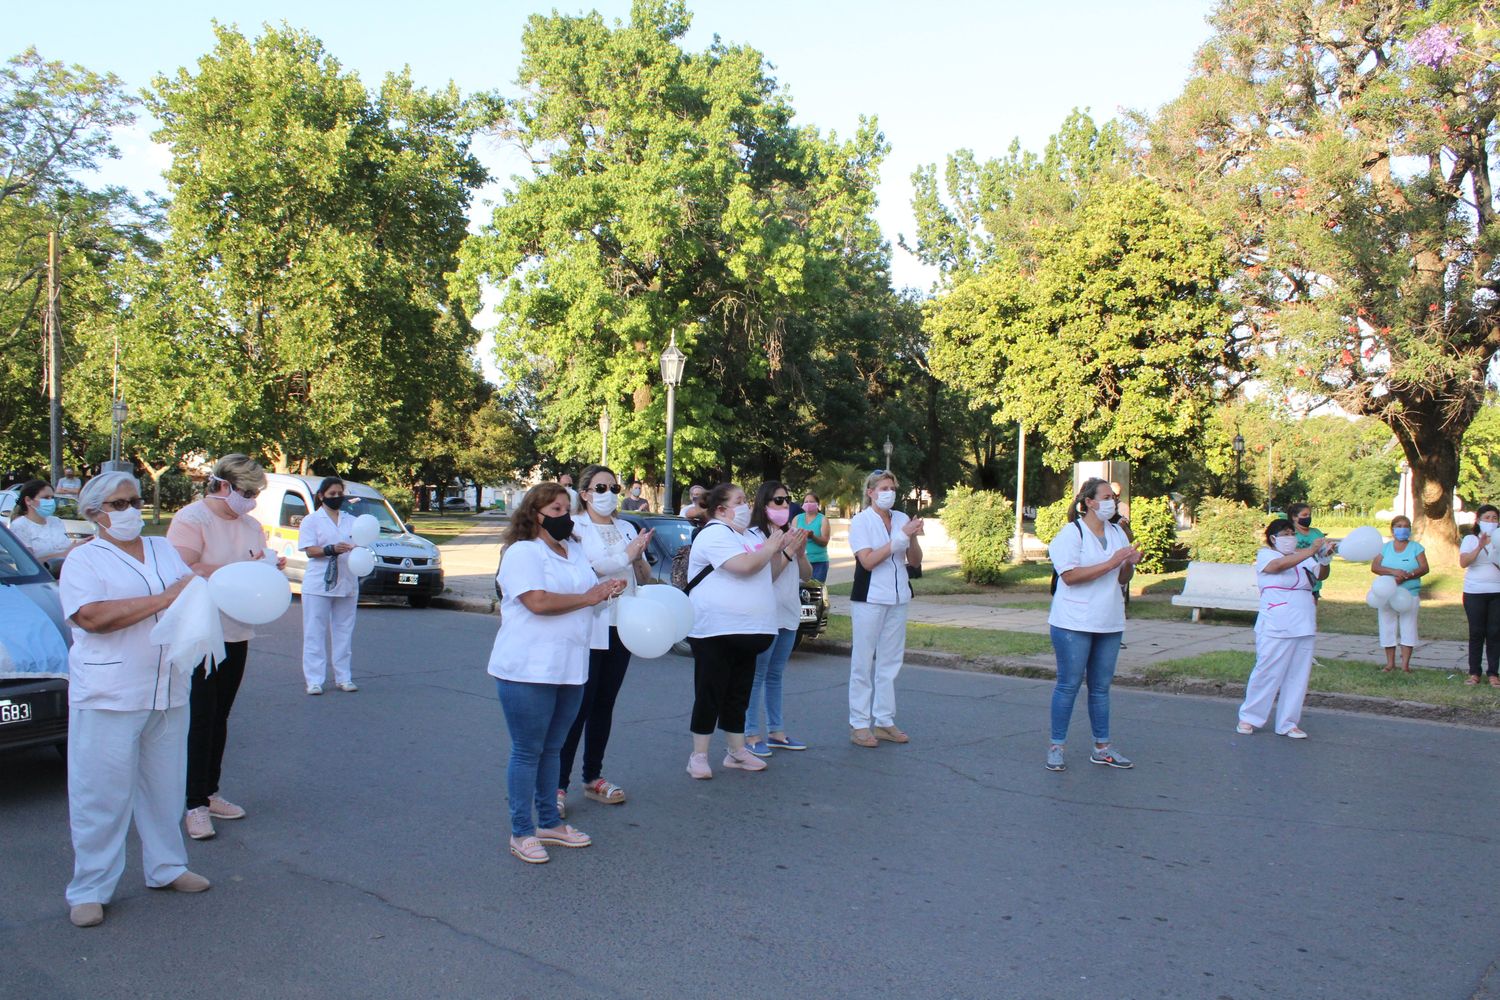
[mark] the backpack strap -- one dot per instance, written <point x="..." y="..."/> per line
<point x="705" y="570"/>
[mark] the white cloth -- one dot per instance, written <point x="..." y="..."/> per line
<point x="1287" y="607"/>
<point x="124" y="765"/>
<point x="604" y="546"/>
<point x="1483" y="574"/>
<point x="876" y="654"/>
<point x="888" y="582"/>
<point x="1099" y="604"/>
<point x="41" y="539"/>
<point x="726" y="602"/>
<point x="121" y="670"/>
<point x="542" y="649"/>
<point x="787" y="587"/>
<point x="328" y="621"/>
<point x="1398" y="629"/>
<point x="1282" y="667"/>
<point x="189" y="629"/>
<point x="318" y="528"/>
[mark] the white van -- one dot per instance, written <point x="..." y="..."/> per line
<point x="406" y="565"/>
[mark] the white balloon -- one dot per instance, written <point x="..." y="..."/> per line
<point x="678" y="604"/>
<point x="362" y="561"/>
<point x="365" y="530"/>
<point x="1374" y="599"/>
<point x="1361" y="544"/>
<point x="251" y="592"/>
<point x="1384" y="587"/>
<point x="646" y="627"/>
<point x="1402" y="600"/>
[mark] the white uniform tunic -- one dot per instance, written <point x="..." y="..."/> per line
<point x="604" y="547"/>
<point x="319" y="529"/>
<point x="1285" y="634"/>
<point x="1095" y="606"/>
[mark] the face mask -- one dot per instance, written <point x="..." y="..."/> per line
<point x="559" y="527"/>
<point x="1401" y="534"/>
<point x="125" y="525"/>
<point x="47" y="507"/>
<point x="742" y="516"/>
<point x="1488" y="527"/>
<point x="333" y="503"/>
<point x="885" y="499"/>
<point x="238" y="502"/>
<point x="810" y="508"/>
<point x="777" y="515"/>
<point x="635" y="491"/>
<point x="1106" y="510"/>
<point x="1304" y="522"/>
<point x="1285" y="544"/>
<point x="604" y="504"/>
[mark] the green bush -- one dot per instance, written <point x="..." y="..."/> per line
<point x="1050" y="519"/>
<point x="981" y="524"/>
<point x="1227" y="532"/>
<point x="1155" y="531"/>
<point x="400" y="498"/>
<point x="176" y="489"/>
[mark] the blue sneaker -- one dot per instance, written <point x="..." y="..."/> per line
<point x="786" y="744"/>
<point x="1110" y="756"/>
<point x="758" y="747"/>
<point x="1055" y="759"/>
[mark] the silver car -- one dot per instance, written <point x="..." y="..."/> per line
<point x="33" y="711"/>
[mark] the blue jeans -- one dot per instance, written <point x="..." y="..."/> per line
<point x="538" y="717"/>
<point x="1080" y="655"/>
<point x="770" y="668"/>
<point x="820" y="571"/>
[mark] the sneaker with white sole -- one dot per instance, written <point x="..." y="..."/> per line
<point x="744" y="760"/>
<point x="348" y="687"/>
<point x="1111" y="757"/>
<point x="563" y="836"/>
<point x="1055" y="760"/>
<point x="315" y="689"/>
<point x="698" y="766"/>
<point x="220" y="808"/>
<point x="1295" y="734"/>
<point x="200" y="825"/>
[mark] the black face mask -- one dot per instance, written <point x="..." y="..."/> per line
<point x="1305" y="521"/>
<point x="333" y="502"/>
<point x="560" y="528"/>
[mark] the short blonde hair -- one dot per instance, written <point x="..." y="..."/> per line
<point x="875" y="477"/>
<point x="241" y="472"/>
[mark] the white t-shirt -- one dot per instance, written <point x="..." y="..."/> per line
<point x="887" y="583"/>
<point x="41" y="539"/>
<point x="1287" y="607"/>
<point x="787" y="587"/>
<point x="123" y="671"/>
<point x="318" y="528"/>
<point x="1095" y="606"/>
<point x="604" y="547"/>
<point x="725" y="602"/>
<point x="542" y="649"/>
<point x="1483" y="574"/>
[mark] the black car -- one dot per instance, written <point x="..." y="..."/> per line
<point x="33" y="710"/>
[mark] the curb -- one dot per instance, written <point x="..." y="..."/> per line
<point x="476" y="605"/>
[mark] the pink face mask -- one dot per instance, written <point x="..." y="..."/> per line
<point x="777" y="515"/>
<point x="810" y="508"/>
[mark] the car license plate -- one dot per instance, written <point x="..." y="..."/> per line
<point x="406" y="579"/>
<point x="809" y="613"/>
<point x="14" y="711"/>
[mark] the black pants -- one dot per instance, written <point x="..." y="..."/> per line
<point x="597" y="712"/>
<point x="211" y="699"/>
<point x="723" y="676"/>
<point x="1483" y="611"/>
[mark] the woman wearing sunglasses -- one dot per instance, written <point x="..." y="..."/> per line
<point x="210" y="533"/>
<point x="127" y="708"/>
<point x="614" y="549"/>
<point x="772" y="508"/>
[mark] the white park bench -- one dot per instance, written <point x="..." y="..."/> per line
<point x="1223" y="586"/>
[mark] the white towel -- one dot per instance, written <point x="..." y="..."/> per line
<point x="190" y="629"/>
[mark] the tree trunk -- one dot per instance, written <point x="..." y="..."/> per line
<point x="1433" y="457"/>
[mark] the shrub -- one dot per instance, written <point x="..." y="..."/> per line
<point x="176" y="489"/>
<point x="1155" y="531"/>
<point x="1227" y="532"/>
<point x="1050" y="519"/>
<point x="981" y="524"/>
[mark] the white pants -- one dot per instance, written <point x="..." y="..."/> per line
<point x="1282" y="666"/>
<point x="123" y="765"/>
<point x="320" y="615"/>
<point x="879" y="645"/>
<point x="1394" y="626"/>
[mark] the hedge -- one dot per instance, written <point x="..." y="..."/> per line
<point x="1227" y="532"/>
<point x="981" y="524"/>
<point x="1050" y="519"/>
<point x="1155" y="529"/>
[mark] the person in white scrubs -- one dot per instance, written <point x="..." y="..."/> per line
<point x="1285" y="629"/>
<point x="127" y="707"/>
<point x="330" y="590"/>
<point x="39" y="529"/>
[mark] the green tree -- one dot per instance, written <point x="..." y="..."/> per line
<point x="1479" y="474"/>
<point x="1346" y="151"/>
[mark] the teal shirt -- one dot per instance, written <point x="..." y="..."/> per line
<point x="813" y="525"/>
<point x="1306" y="542"/>
<point x="1391" y="559"/>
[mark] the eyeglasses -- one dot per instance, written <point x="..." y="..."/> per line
<point x="248" y="494"/>
<point x="601" y="488"/>
<point x="779" y="501"/>
<point x="119" y="505"/>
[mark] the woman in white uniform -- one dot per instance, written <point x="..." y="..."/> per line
<point x="33" y="522"/>
<point x="330" y="590"/>
<point x="1285" y="629"/>
<point x="127" y="708"/>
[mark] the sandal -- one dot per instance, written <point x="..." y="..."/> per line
<point x="529" y="850"/>
<point x="1472" y="679"/>
<point x="1494" y="681"/>
<point x="863" y="738"/>
<point x="607" y="792"/>
<point x="564" y="836"/>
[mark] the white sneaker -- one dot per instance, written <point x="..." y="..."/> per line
<point x="315" y="689"/>
<point x="200" y="826"/>
<point x="348" y="687"/>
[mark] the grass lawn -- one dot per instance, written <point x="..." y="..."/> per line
<point x="156" y="529"/>
<point x="955" y="639"/>
<point x="438" y="528"/>
<point x="1027" y="577"/>
<point x="1341" y="677"/>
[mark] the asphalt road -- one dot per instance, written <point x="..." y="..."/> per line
<point x="1356" y="864"/>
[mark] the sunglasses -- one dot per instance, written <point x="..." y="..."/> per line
<point x="601" y="488"/>
<point x="780" y="501"/>
<point x="119" y="505"/>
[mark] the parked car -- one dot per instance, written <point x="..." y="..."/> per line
<point x="33" y="712"/>
<point x="406" y="564"/>
<point x="457" y="503"/>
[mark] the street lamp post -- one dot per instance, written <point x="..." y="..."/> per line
<point x="604" y="437"/>
<point x="1239" y="453"/>
<point x="673" y="361"/>
<point x="888" y="449"/>
<point x="117" y="413"/>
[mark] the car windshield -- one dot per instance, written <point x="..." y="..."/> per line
<point x="671" y="534"/>
<point x="67" y="509"/>
<point x="379" y="510"/>
<point x="16" y="563"/>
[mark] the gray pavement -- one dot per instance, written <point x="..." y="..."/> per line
<point x="372" y="864"/>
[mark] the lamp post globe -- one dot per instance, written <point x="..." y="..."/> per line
<point x="673" y="363"/>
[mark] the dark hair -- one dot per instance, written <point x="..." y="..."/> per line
<point x="1480" y="511"/>
<point x="328" y="481"/>
<point x="588" y="473"/>
<point x="28" y="492"/>
<point x="1293" y="509"/>
<point x="524" y="523"/>
<point x="1276" y="527"/>
<point x="1085" y="492"/>
<point x="763" y="496"/>
<point x="718" y="497"/>
<point x="810" y="493"/>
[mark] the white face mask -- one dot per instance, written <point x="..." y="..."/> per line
<point x="885" y="499"/>
<point x="1285" y="544"/>
<point x="124" y="525"/>
<point x="604" y="504"/>
<point x="742" y="516"/>
<point x="1106" y="510"/>
<point x="1488" y="527"/>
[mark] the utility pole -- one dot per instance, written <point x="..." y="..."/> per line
<point x="54" y="355"/>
